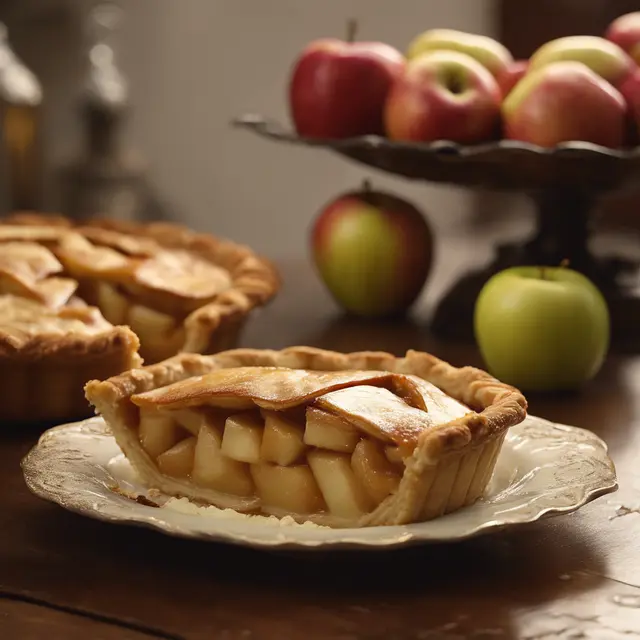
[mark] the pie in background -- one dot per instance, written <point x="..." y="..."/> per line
<point x="89" y="300"/>
<point x="344" y="440"/>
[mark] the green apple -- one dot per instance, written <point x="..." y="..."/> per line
<point x="487" y="51"/>
<point x="542" y="328"/>
<point x="603" y="57"/>
<point x="373" y="251"/>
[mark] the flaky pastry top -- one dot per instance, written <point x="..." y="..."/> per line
<point x="390" y="406"/>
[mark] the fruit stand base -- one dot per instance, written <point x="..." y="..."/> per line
<point x="563" y="226"/>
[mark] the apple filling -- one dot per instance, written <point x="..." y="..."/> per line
<point x="318" y="448"/>
<point x="161" y="334"/>
<point x="319" y="463"/>
<point x="133" y="281"/>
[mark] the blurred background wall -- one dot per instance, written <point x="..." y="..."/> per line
<point x="195" y="64"/>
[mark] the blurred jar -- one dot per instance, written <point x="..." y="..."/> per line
<point x="20" y="131"/>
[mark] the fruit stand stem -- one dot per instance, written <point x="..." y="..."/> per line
<point x="562" y="230"/>
<point x="563" y="224"/>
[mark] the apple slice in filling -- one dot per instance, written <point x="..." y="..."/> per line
<point x="242" y="437"/>
<point x="328" y="431"/>
<point x="292" y="489"/>
<point x="113" y="305"/>
<point x="211" y="468"/>
<point x="158" y="332"/>
<point x="340" y="488"/>
<point x="178" y="461"/>
<point x="282" y="441"/>
<point x="374" y="472"/>
<point x="158" y="432"/>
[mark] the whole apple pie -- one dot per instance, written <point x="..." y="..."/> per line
<point x="93" y="299"/>
<point x="338" y="439"/>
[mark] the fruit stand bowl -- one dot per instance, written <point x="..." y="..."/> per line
<point x="503" y="164"/>
<point x="565" y="183"/>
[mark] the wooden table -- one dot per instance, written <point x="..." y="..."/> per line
<point x="66" y="577"/>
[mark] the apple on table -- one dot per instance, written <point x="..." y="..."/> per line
<point x="444" y="95"/>
<point x="338" y="88"/>
<point x="542" y="328"/>
<point x="563" y="102"/>
<point x="373" y="251"/>
<point x="490" y="53"/>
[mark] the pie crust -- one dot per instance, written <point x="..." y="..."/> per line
<point x="387" y="440"/>
<point x="79" y="300"/>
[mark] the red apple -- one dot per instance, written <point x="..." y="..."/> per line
<point x="338" y="89"/>
<point x="373" y="251"/>
<point x="562" y="102"/>
<point x="625" y="32"/>
<point x="510" y="77"/>
<point x="603" y="57"/>
<point x="630" y="90"/>
<point x="444" y="95"/>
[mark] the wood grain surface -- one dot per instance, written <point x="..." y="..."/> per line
<point x="64" y="577"/>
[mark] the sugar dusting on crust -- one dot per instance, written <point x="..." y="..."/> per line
<point x="183" y="505"/>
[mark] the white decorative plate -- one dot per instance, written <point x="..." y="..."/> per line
<point x="544" y="469"/>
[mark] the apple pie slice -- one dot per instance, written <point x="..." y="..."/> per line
<point x="355" y="439"/>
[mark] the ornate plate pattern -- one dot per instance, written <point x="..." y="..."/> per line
<point x="544" y="469"/>
<point x="503" y="164"/>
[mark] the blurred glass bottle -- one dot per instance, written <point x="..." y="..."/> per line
<point x="107" y="179"/>
<point x="21" y="122"/>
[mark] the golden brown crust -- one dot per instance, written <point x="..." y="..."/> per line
<point x="254" y="280"/>
<point x="45" y="383"/>
<point x="464" y="444"/>
<point x="62" y="348"/>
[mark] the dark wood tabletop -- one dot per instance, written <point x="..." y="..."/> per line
<point x="66" y="577"/>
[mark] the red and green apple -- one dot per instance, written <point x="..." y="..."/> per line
<point x="542" y="328"/>
<point x="444" y="95"/>
<point x="563" y="102"/>
<point x="373" y="251"/>
<point x="510" y="77"/>
<point x="602" y="56"/>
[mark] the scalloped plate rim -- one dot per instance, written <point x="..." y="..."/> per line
<point x="391" y="537"/>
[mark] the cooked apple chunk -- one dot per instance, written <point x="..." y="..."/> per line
<point x="242" y="437"/>
<point x="213" y="469"/>
<point x="396" y="454"/>
<point x="192" y="419"/>
<point x="149" y="324"/>
<point x="282" y="440"/>
<point x="178" y="461"/>
<point x="327" y="431"/>
<point x="112" y="303"/>
<point x="158" y="432"/>
<point x="339" y="486"/>
<point x="374" y="472"/>
<point x="293" y="489"/>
